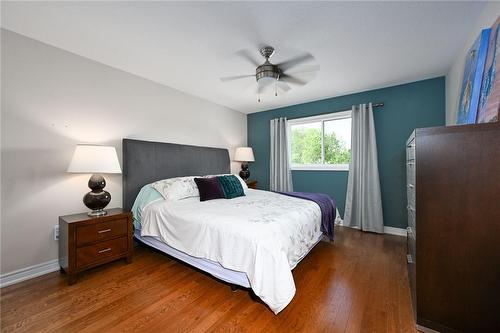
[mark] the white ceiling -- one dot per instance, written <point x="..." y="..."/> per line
<point x="189" y="46"/>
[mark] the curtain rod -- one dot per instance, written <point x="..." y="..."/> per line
<point x="374" y="105"/>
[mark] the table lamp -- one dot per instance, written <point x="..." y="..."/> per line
<point x="244" y="155"/>
<point x="95" y="159"/>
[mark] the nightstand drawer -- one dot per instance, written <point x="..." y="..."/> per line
<point x="91" y="233"/>
<point x="95" y="253"/>
<point x="251" y="184"/>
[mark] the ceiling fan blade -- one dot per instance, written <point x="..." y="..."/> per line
<point x="295" y="61"/>
<point x="283" y="86"/>
<point x="303" y="69"/>
<point x="292" y="79"/>
<point x="246" y="54"/>
<point x="235" y="77"/>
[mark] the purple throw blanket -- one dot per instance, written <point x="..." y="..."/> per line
<point x="326" y="205"/>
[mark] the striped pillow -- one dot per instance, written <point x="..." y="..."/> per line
<point x="231" y="186"/>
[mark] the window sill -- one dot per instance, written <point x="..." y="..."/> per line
<point x="320" y="168"/>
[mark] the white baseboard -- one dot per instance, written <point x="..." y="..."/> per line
<point x="395" y="231"/>
<point x="28" y="273"/>
<point x="387" y="230"/>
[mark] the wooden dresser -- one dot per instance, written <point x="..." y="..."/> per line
<point x="453" y="193"/>
<point x="86" y="242"/>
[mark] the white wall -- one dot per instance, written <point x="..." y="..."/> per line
<point x="455" y="74"/>
<point x="52" y="100"/>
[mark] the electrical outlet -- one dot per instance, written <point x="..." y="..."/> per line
<point x="55" y="232"/>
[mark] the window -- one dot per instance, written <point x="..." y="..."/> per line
<point x="321" y="142"/>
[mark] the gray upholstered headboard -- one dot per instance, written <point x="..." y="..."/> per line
<point x="145" y="162"/>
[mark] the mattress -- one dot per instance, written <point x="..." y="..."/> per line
<point x="211" y="267"/>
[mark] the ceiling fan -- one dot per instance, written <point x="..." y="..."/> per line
<point x="280" y="74"/>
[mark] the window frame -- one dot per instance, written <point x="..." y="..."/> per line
<point x="314" y="119"/>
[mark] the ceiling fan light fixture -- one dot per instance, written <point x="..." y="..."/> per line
<point x="277" y="74"/>
<point x="266" y="81"/>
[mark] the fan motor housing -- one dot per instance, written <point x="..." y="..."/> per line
<point x="267" y="70"/>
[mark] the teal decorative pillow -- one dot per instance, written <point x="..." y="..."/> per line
<point x="231" y="186"/>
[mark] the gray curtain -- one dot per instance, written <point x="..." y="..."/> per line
<point x="363" y="207"/>
<point x="280" y="174"/>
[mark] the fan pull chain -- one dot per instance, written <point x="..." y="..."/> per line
<point x="258" y="93"/>
<point x="276" y="88"/>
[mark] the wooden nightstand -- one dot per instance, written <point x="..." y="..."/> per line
<point x="86" y="242"/>
<point x="251" y="184"/>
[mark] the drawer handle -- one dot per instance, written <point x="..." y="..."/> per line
<point x="410" y="186"/>
<point x="410" y="163"/>
<point x="409" y="259"/>
<point x="105" y="250"/>
<point x="410" y="208"/>
<point x="103" y="231"/>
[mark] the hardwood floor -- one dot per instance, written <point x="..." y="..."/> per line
<point x="357" y="284"/>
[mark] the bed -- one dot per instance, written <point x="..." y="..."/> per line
<point x="252" y="241"/>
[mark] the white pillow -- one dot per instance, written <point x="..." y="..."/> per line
<point x="243" y="184"/>
<point x="177" y="188"/>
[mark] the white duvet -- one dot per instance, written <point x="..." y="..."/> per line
<point x="263" y="234"/>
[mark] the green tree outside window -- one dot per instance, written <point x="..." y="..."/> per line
<point x="306" y="146"/>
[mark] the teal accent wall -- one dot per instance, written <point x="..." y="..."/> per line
<point x="407" y="106"/>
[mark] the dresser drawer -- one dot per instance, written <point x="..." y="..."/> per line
<point x="411" y="218"/>
<point x="411" y="243"/>
<point x="410" y="172"/>
<point x="91" y="233"/>
<point x="410" y="195"/>
<point x="410" y="151"/>
<point x="96" y="253"/>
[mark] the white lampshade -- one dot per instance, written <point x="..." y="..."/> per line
<point x="94" y="159"/>
<point x="244" y="154"/>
